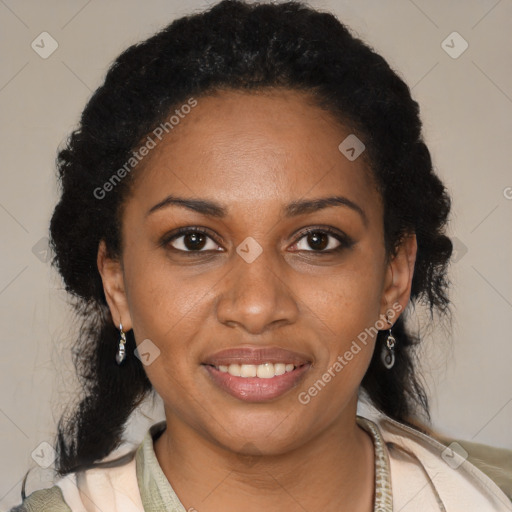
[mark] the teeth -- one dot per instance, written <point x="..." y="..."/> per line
<point x="279" y="369"/>
<point x="263" y="371"/>
<point x="233" y="369"/>
<point x="248" y="370"/>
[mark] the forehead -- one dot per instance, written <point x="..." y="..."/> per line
<point x="245" y="147"/>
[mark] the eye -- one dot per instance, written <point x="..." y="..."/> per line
<point x="191" y="239"/>
<point x="323" y="240"/>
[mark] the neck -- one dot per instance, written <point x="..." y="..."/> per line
<point x="333" y="471"/>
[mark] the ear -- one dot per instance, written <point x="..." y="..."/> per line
<point x="113" y="285"/>
<point x="399" y="274"/>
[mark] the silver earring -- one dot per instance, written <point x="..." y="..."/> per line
<point x="388" y="349"/>
<point x="121" y="351"/>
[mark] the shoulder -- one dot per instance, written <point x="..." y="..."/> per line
<point x="42" y="500"/>
<point x="496" y="463"/>
<point x="110" y="485"/>
<point x="421" y="465"/>
<point x="106" y="487"/>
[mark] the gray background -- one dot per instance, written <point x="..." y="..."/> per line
<point x="466" y="105"/>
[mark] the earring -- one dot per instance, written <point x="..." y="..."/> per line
<point x="121" y="351"/>
<point x="388" y="350"/>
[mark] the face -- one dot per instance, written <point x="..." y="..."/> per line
<point x="253" y="260"/>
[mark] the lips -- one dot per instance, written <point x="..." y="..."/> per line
<point x="256" y="374"/>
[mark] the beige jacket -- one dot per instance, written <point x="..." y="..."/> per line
<point x="424" y="471"/>
<point x="424" y="475"/>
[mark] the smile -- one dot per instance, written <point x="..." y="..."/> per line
<point x="256" y="383"/>
<point x="256" y="374"/>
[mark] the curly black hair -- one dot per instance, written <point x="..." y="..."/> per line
<point x="236" y="46"/>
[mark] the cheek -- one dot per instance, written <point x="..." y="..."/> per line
<point x="170" y="308"/>
<point x="168" y="314"/>
<point x="348" y="311"/>
<point x="350" y="297"/>
<point x="159" y="298"/>
<point x="348" y="306"/>
<point x="169" y="311"/>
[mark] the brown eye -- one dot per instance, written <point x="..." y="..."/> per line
<point x="317" y="240"/>
<point x="191" y="240"/>
<point x="194" y="241"/>
<point x="323" y="240"/>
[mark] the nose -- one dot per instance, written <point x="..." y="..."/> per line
<point x="256" y="297"/>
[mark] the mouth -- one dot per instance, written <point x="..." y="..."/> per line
<point x="256" y="374"/>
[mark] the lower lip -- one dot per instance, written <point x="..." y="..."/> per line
<point x="254" y="389"/>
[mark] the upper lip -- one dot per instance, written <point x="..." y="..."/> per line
<point x="256" y="356"/>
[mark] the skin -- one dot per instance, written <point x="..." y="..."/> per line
<point x="254" y="153"/>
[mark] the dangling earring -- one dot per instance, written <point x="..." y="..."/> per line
<point x="121" y="351"/>
<point x="388" y="350"/>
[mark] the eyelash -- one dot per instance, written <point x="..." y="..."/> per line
<point x="345" y="242"/>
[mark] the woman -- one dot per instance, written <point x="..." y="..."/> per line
<point x="247" y="211"/>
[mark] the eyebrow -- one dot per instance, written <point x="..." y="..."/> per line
<point x="293" y="209"/>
